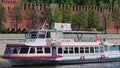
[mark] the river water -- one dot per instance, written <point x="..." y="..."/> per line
<point x="89" y="65"/>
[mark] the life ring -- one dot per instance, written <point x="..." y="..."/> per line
<point x="48" y="41"/>
<point x="102" y="56"/>
<point x="82" y="57"/>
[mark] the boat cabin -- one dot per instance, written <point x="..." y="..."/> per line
<point x="50" y="50"/>
<point x="42" y="37"/>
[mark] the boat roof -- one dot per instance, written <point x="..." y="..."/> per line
<point x="23" y="45"/>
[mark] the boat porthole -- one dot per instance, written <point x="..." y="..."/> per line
<point x="82" y="57"/>
<point x="102" y="56"/>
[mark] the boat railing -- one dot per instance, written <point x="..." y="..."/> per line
<point x="113" y="40"/>
<point x="85" y="40"/>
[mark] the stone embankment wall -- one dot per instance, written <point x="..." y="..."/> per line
<point x="13" y="38"/>
<point x="9" y="38"/>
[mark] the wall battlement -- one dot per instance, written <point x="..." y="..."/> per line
<point x="11" y="3"/>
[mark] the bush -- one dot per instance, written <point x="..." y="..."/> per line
<point x="3" y="29"/>
<point x="100" y="28"/>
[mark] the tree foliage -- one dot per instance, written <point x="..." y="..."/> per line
<point x="16" y="15"/>
<point x="2" y="18"/>
<point x="2" y="13"/>
<point x="31" y="18"/>
<point x="57" y="14"/>
<point x="116" y="18"/>
<point x="94" y="20"/>
<point x="80" y="19"/>
<point x="67" y="15"/>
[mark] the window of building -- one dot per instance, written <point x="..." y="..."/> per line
<point x="81" y="49"/>
<point x="40" y="50"/>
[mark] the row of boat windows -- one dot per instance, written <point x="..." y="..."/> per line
<point x="24" y="50"/>
<point x="42" y="34"/>
<point x="72" y="50"/>
<point x="61" y="50"/>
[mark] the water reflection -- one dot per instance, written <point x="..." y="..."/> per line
<point x="93" y="65"/>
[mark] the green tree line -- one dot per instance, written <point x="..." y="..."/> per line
<point x="81" y="19"/>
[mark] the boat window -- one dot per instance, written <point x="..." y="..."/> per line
<point x="81" y="49"/>
<point x="40" y="50"/>
<point x="66" y="50"/>
<point x="14" y="50"/>
<point x="86" y="49"/>
<point x="32" y="50"/>
<point x="42" y="34"/>
<point x="76" y="50"/>
<point x="33" y="35"/>
<point x="96" y="49"/>
<point x="24" y="50"/>
<point x="7" y="50"/>
<point x="91" y="49"/>
<point x="71" y="50"/>
<point x="11" y="50"/>
<point x="60" y="50"/>
<point x="48" y="35"/>
<point x="47" y="50"/>
<point x="101" y="50"/>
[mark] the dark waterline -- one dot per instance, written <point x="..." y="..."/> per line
<point x="91" y="65"/>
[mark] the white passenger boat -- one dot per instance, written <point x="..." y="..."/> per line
<point x="52" y="47"/>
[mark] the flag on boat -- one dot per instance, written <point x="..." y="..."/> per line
<point x="62" y="26"/>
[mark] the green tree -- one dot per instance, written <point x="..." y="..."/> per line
<point x="57" y="15"/>
<point x="80" y="19"/>
<point x="27" y="1"/>
<point x="16" y="15"/>
<point x="94" y="20"/>
<point x="3" y="28"/>
<point x="116" y="18"/>
<point x="31" y="17"/>
<point x="67" y="15"/>
<point x="2" y="17"/>
<point x="90" y="3"/>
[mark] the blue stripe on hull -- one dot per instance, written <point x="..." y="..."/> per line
<point x="91" y="60"/>
<point x="65" y="61"/>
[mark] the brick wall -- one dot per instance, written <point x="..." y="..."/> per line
<point x="10" y="3"/>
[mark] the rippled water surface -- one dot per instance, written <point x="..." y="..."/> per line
<point x="5" y="64"/>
